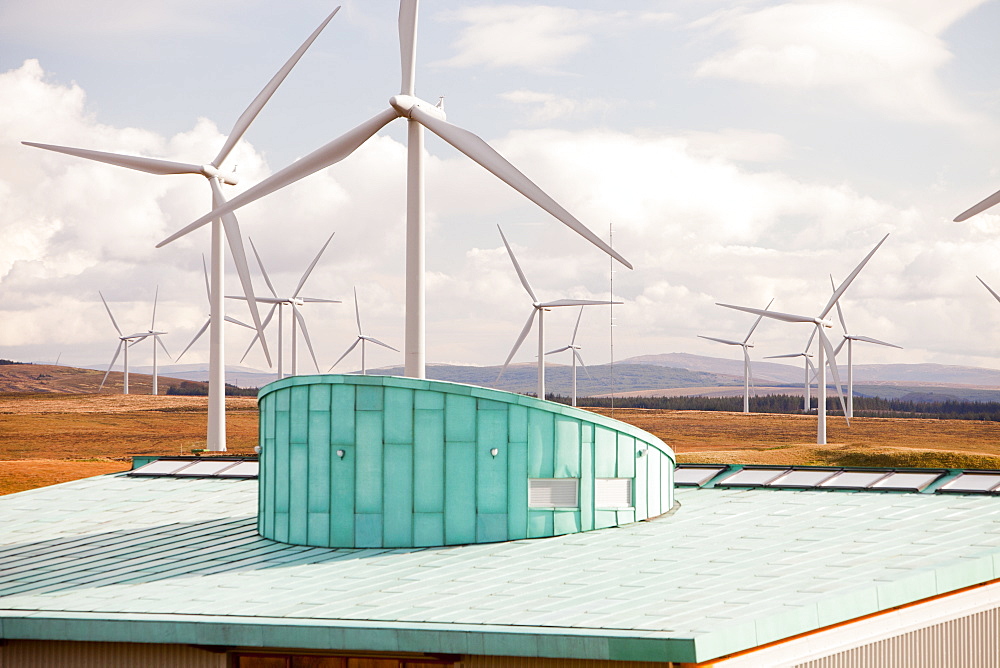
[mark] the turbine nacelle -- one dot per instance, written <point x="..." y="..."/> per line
<point x="213" y="172"/>
<point x="404" y="105"/>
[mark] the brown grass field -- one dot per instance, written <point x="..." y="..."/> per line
<point x="51" y="438"/>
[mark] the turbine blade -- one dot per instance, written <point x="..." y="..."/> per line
<point x="838" y="293"/>
<point x="208" y="285"/>
<point x="578" y="302"/>
<point x="757" y="321"/>
<point x="156" y="296"/>
<point x="992" y="292"/>
<point x="357" y="311"/>
<point x="726" y="341"/>
<point x="979" y="208"/>
<point x="317" y="300"/>
<point x="840" y="311"/>
<point x="408" y="44"/>
<point x="233" y="320"/>
<point x="577" y="328"/>
<point x="346" y="353"/>
<point x="774" y="357"/>
<point x="746" y="360"/>
<point x="868" y="339"/>
<point x="334" y="151"/>
<point x="840" y="346"/>
<point x="235" y="239"/>
<point x="305" y="335"/>
<point x="481" y="152"/>
<point x="312" y="266"/>
<point x="517" y="344"/>
<point x="559" y="350"/>
<point x="517" y="268"/>
<point x="196" y="337"/>
<point x="376" y="341"/>
<point x="831" y="360"/>
<point x="248" y="116"/>
<point x="117" y="328"/>
<point x="786" y="317"/>
<point x="148" y="165"/>
<point x="267" y="279"/>
<point x="157" y="339"/>
<point x="114" y="359"/>
<point x="257" y="335"/>
<point x="809" y="341"/>
<point x="579" y="358"/>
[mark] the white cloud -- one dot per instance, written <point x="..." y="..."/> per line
<point x="885" y="54"/>
<point x="547" y="107"/>
<point x="534" y="36"/>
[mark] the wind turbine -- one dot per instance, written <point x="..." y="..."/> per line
<point x="125" y="341"/>
<point x="745" y="345"/>
<point x="825" y="348"/>
<point x="208" y="320"/>
<point x="807" y="357"/>
<point x="849" y="339"/>
<point x="576" y="353"/>
<point x="419" y="114"/>
<point x="362" y="339"/>
<point x="294" y="301"/>
<point x="539" y="308"/>
<point x="216" y="436"/>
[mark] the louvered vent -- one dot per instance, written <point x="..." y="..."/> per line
<point x="613" y="493"/>
<point x="553" y="493"/>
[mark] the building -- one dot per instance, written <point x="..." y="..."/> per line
<point x="746" y="566"/>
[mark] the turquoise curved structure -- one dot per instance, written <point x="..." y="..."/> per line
<point x="380" y="461"/>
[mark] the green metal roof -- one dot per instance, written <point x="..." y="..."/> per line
<point x="178" y="560"/>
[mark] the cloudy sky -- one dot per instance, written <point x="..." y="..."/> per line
<point x="742" y="150"/>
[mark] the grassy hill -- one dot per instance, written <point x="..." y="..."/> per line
<point x="48" y="378"/>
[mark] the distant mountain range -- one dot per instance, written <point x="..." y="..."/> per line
<point x="671" y="372"/>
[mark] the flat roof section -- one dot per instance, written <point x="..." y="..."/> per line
<point x="124" y="558"/>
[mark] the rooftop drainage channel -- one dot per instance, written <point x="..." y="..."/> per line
<point x="197" y="467"/>
<point x="838" y="478"/>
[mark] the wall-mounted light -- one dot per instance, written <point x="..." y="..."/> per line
<point x="256" y="449"/>
<point x="495" y="451"/>
<point x="341" y="453"/>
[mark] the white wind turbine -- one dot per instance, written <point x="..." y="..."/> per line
<point x="745" y="345"/>
<point x="576" y="353"/>
<point x="849" y="339"/>
<point x="362" y="339"/>
<point x="419" y="114"/>
<point x="825" y="347"/>
<point x="216" y="436"/>
<point x="810" y="370"/>
<point x="208" y="320"/>
<point x="294" y="302"/>
<point x="127" y="341"/>
<point x="538" y="308"/>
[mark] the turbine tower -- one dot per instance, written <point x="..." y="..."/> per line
<point x="419" y="115"/>
<point x="849" y="339"/>
<point x="810" y="370"/>
<point x="539" y="308"/>
<point x="825" y="348"/>
<point x="362" y="339"/>
<point x="576" y="353"/>
<point x="156" y="340"/>
<point x="216" y="436"/>
<point x="745" y="345"/>
<point x="294" y="302"/>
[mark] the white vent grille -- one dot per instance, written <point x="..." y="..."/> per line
<point x="553" y="493"/>
<point x="613" y="493"/>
